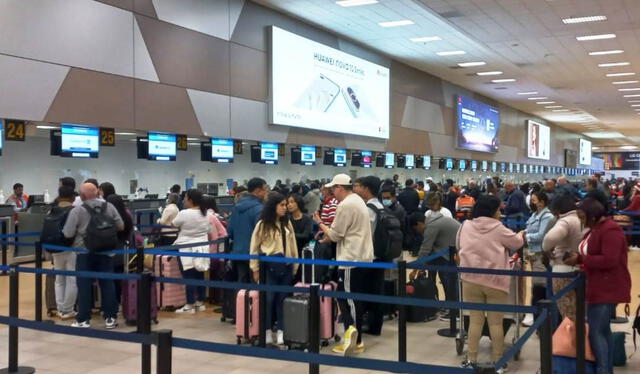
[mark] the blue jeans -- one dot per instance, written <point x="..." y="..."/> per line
<point x="278" y="274"/>
<point x="191" y="291"/>
<point x="100" y="263"/>
<point x="600" y="336"/>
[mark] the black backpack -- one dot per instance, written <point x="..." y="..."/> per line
<point x="388" y="237"/>
<point x="102" y="233"/>
<point x="52" y="229"/>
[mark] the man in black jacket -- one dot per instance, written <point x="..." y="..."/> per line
<point x="409" y="198"/>
<point x="515" y="207"/>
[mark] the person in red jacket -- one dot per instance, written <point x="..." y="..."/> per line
<point x="603" y="256"/>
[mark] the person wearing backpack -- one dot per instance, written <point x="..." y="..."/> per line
<point x="94" y="225"/>
<point x="66" y="290"/>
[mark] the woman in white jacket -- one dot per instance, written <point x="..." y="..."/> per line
<point x="194" y="226"/>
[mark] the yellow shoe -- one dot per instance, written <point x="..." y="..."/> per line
<point x="338" y="349"/>
<point x="359" y="348"/>
<point x="350" y="341"/>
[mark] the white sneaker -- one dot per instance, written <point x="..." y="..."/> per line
<point x="110" y="323"/>
<point x="186" y="309"/>
<point x="200" y="307"/>
<point x="280" y="339"/>
<point x="82" y="325"/>
<point x="528" y="321"/>
<point x="269" y="337"/>
<point x="634" y="248"/>
<point x="67" y="315"/>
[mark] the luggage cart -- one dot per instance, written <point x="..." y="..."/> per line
<point x="509" y="319"/>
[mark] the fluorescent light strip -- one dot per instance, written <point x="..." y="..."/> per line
<point x="634" y="95"/>
<point x="553" y="106"/>
<point x="602" y="53"/>
<point x="470" y="64"/>
<point x="404" y="22"/>
<point x="126" y="133"/>
<point x="620" y="74"/>
<point x="628" y="89"/>
<point x="537" y="98"/>
<point x="349" y="3"/>
<point x="47" y="127"/>
<point x="527" y="93"/>
<point x="584" y="19"/>
<point x="595" y="37"/>
<point x="624" y="82"/>
<point x="426" y="39"/>
<point x="634" y="101"/>
<point x="628" y="147"/>
<point x="450" y="53"/>
<point x="483" y="73"/>
<point x="503" y="80"/>
<point x="560" y="110"/>
<point x="612" y="64"/>
<point x="545" y="102"/>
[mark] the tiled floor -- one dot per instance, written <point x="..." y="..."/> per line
<point x="59" y="354"/>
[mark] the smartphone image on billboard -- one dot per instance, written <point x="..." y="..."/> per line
<point x="319" y="95"/>
<point x="350" y="96"/>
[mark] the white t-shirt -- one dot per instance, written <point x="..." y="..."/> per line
<point x="444" y="211"/>
<point x="194" y="227"/>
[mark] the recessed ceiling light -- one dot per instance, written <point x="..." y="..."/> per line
<point x="584" y="19"/>
<point x="634" y="101"/>
<point x="348" y="3"/>
<point x="620" y="74"/>
<point x="194" y="144"/>
<point x="595" y="37"/>
<point x="507" y="80"/>
<point x="450" y="53"/>
<point x="425" y="39"/>
<point x="560" y="110"/>
<point x="527" y="93"/>
<point x="404" y="22"/>
<point x="537" y="98"/>
<point x="632" y="95"/>
<point x="596" y="148"/>
<point x="545" y="102"/>
<point x="628" y="89"/>
<point x="611" y="52"/>
<point x="47" y="127"/>
<point x="553" y="106"/>
<point x="612" y="64"/>
<point x="470" y="64"/>
<point x="193" y="139"/>
<point x="126" y="133"/>
<point x="624" y="82"/>
<point x="628" y="147"/>
<point x="635" y="105"/>
<point x="489" y="73"/>
<point x="604" y="135"/>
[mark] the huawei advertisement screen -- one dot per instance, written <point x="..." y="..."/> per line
<point x="478" y="125"/>
<point x="585" y="152"/>
<point x="318" y="87"/>
<point x="538" y="141"/>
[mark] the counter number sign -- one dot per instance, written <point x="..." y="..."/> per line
<point x="15" y="130"/>
<point x="107" y="137"/>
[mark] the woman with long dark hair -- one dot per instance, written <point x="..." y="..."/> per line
<point x="274" y="236"/>
<point x="194" y="226"/>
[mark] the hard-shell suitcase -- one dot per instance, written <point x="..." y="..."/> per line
<point x="169" y="295"/>
<point x="50" y="294"/>
<point x="130" y="302"/>
<point x="247" y="316"/>
<point x="328" y="313"/>
<point x="296" y="325"/>
<point x="229" y="296"/>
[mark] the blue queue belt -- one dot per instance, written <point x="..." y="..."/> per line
<point x="79" y="274"/>
<point x="420" y="261"/>
<point x="126" y="337"/>
<point x="517" y="347"/>
<point x="566" y="290"/>
<point x="316" y="358"/>
<point x="20" y="234"/>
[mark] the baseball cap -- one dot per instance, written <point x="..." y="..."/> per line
<point x="340" y="179"/>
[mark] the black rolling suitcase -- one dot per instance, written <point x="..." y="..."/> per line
<point x="296" y="317"/>
<point x="421" y="288"/>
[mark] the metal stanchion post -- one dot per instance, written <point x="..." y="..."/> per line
<point x="262" y="308"/>
<point x="38" y="280"/>
<point x="452" y="331"/>
<point x="546" y="365"/>
<point x="144" y="317"/>
<point x="164" y="351"/>
<point x="314" y="325"/>
<point x="5" y="247"/>
<point x="13" y="330"/>
<point x="402" y="312"/>
<point x="139" y="260"/>
<point x="580" y="324"/>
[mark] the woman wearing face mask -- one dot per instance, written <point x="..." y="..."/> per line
<point x="274" y="236"/>
<point x="537" y="226"/>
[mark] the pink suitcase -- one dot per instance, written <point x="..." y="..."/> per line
<point x="169" y="295"/>
<point x="328" y="312"/>
<point x="247" y="316"/>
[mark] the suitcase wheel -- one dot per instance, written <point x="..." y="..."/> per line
<point x="324" y="343"/>
<point x="459" y="346"/>
<point x="130" y="323"/>
<point x="252" y="342"/>
<point x="155" y="321"/>
<point x="238" y="341"/>
<point x="337" y="338"/>
<point x="222" y="319"/>
<point x="517" y="356"/>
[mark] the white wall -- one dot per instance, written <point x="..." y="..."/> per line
<point x="30" y="164"/>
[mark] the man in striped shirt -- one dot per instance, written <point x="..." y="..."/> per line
<point x="329" y="206"/>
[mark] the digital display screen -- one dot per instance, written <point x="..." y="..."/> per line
<point x="510" y="167"/>
<point x="79" y="141"/>
<point x="269" y="153"/>
<point x="340" y="157"/>
<point x="409" y="161"/>
<point x="474" y="165"/>
<point x="1" y="134"/>
<point x="426" y="162"/>
<point x="317" y="87"/>
<point x="518" y="168"/>
<point x="448" y="164"/>
<point x="367" y="159"/>
<point x="585" y="152"/>
<point x="485" y="165"/>
<point x="307" y="155"/>
<point x="478" y="125"/>
<point x="222" y="150"/>
<point x="538" y="140"/>
<point x="389" y="160"/>
<point x="503" y="167"/>
<point x="462" y="165"/>
<point x="162" y="147"/>
<point x="494" y="166"/>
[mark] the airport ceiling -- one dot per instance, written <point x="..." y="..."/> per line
<point x="530" y="41"/>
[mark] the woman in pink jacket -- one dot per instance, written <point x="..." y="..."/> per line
<point x="484" y="242"/>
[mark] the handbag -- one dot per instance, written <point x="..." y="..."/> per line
<point x="201" y="263"/>
<point x="564" y="341"/>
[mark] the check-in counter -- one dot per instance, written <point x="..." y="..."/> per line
<point x="28" y="222"/>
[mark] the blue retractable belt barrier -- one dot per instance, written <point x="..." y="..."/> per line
<point x="19" y="244"/>
<point x="430" y="258"/>
<point x="517" y="347"/>
<point x="20" y="234"/>
<point x="126" y="337"/>
<point x="5" y="267"/>
<point x="79" y="274"/>
<point x="521" y="273"/>
<point x="321" y="359"/>
<point x="566" y="290"/>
